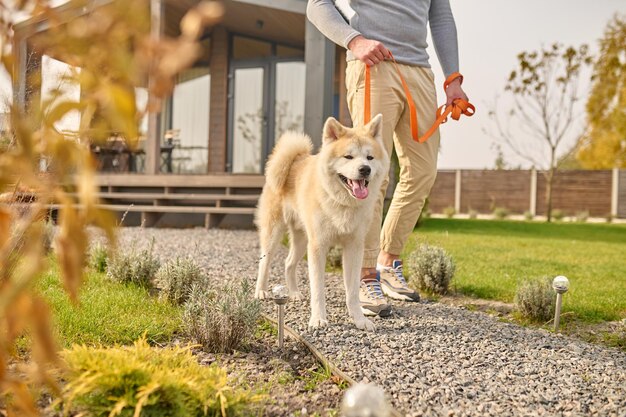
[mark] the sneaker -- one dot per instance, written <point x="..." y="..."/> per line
<point x="394" y="285"/>
<point x="373" y="302"/>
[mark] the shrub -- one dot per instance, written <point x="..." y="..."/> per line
<point x="500" y="213"/>
<point x="535" y="299"/>
<point x="472" y="214"/>
<point x="140" y="380"/>
<point x="431" y="268"/>
<point x="333" y="259"/>
<point x="134" y="267"/>
<point x="221" y="319"/>
<point x="449" y="212"/>
<point x="175" y="279"/>
<point x="557" y="214"/>
<point x="609" y="218"/>
<point x="582" y="216"/>
<point x="528" y="216"/>
<point x="98" y="258"/>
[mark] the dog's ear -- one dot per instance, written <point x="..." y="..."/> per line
<point x="375" y="127"/>
<point x="333" y="130"/>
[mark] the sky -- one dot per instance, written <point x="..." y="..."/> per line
<point x="491" y="34"/>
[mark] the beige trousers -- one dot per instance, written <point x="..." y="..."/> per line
<point x="418" y="161"/>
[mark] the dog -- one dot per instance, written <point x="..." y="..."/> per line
<point x="322" y="200"/>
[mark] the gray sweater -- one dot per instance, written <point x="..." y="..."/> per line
<point x="399" y="24"/>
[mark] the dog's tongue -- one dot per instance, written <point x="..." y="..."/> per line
<point x="358" y="188"/>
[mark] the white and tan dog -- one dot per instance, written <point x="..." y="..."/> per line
<point x="322" y="200"/>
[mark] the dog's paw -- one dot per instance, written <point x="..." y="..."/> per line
<point x="296" y="295"/>
<point x="262" y="294"/>
<point x="316" y="322"/>
<point x="365" y="324"/>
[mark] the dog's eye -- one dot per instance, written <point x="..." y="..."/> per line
<point x="348" y="156"/>
<point x="370" y="157"/>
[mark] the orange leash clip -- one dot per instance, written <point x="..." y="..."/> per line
<point x="458" y="107"/>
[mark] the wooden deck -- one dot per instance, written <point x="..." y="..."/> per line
<point x="152" y="196"/>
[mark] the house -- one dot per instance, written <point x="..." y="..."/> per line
<point x="264" y="69"/>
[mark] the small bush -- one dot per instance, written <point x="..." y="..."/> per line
<point x="449" y="212"/>
<point x="134" y="267"/>
<point x="333" y="259"/>
<point x="528" y="216"/>
<point x="500" y="213"/>
<point x="582" y="216"/>
<point x="98" y="258"/>
<point x="609" y="218"/>
<point x="472" y="214"/>
<point x="535" y="299"/>
<point x="140" y="380"/>
<point x="431" y="269"/>
<point x="221" y="319"/>
<point x="558" y="214"/>
<point x="175" y="279"/>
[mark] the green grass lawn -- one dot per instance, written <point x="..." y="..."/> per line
<point x="492" y="256"/>
<point x="108" y="312"/>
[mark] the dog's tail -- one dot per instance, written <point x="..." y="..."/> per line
<point x="290" y="147"/>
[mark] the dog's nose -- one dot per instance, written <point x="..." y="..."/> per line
<point x="365" y="170"/>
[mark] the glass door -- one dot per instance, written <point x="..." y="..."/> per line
<point x="289" y="97"/>
<point x="248" y="114"/>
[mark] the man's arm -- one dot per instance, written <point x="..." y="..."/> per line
<point x="443" y="30"/>
<point x="325" y="16"/>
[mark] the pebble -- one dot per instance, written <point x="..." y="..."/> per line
<point x="431" y="359"/>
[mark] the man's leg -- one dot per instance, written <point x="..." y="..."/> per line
<point x="387" y="100"/>
<point x="418" y="169"/>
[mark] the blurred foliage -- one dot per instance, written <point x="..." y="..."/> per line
<point x="544" y="88"/>
<point x="145" y="381"/>
<point x="111" y="50"/>
<point x="604" y="146"/>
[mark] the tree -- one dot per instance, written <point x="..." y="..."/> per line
<point x="604" y="144"/>
<point x="544" y="89"/>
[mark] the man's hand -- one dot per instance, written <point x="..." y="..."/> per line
<point x="455" y="91"/>
<point x="368" y="51"/>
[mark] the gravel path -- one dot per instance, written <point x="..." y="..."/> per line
<point x="430" y="358"/>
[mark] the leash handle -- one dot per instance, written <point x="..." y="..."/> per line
<point x="458" y="107"/>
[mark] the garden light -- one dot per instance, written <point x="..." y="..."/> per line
<point x="281" y="296"/>
<point x="560" y="285"/>
<point x="365" y="400"/>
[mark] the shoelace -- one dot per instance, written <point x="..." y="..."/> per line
<point x="398" y="272"/>
<point x="373" y="289"/>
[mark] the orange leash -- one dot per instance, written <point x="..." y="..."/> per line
<point x="455" y="110"/>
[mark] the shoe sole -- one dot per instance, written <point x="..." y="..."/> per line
<point x="395" y="295"/>
<point x="382" y="313"/>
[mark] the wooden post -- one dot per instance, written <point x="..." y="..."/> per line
<point x="218" y="102"/>
<point x="153" y="140"/>
<point x="533" y="192"/>
<point x="457" y="191"/>
<point x="615" y="192"/>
